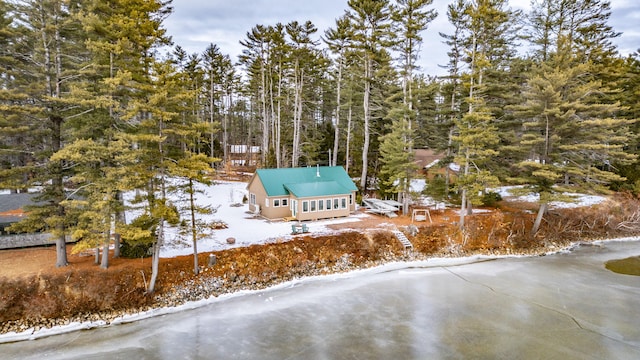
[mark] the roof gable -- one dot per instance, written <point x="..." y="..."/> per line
<point x="306" y="182"/>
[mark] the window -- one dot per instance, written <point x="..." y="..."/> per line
<point x="328" y="202"/>
<point x="343" y="203"/>
<point x="285" y="202"/>
<point x="252" y="199"/>
<point x="305" y="206"/>
<point x="350" y="199"/>
<point x="276" y="202"/>
<point x="266" y="202"/>
<point x="335" y="203"/>
<point x="313" y="205"/>
<point x="320" y="205"/>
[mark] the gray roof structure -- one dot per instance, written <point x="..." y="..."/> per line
<point x="12" y="202"/>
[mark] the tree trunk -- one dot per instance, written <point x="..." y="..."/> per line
<point x="297" y="115"/>
<point x="61" y="251"/>
<point x="463" y="209"/>
<point x="465" y="201"/>
<point x="265" y="116"/>
<point x="194" y="234"/>
<point x="541" y="211"/>
<point x="336" y="134"/>
<point x="105" y="252"/>
<point x="365" y="105"/>
<point x="211" y="118"/>
<point x="120" y="219"/>
<point x="348" y="147"/>
<point x="279" y="121"/>
<point x="155" y="260"/>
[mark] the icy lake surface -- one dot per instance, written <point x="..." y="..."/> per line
<point x="562" y="306"/>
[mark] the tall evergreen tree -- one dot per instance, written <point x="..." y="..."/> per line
<point x="52" y="60"/>
<point x="570" y="139"/>
<point x="303" y="58"/>
<point x="338" y="40"/>
<point x="371" y="37"/>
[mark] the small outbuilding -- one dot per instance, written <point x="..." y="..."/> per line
<point x="308" y="193"/>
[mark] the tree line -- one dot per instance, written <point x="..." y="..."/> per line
<point x="96" y="101"/>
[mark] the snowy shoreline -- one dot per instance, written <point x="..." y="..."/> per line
<point x="35" y="333"/>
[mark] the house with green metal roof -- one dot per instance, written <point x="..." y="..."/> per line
<point x="308" y="193"/>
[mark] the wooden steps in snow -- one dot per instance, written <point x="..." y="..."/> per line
<point x="403" y="239"/>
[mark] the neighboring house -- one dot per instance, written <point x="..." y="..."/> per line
<point x="429" y="161"/>
<point x="427" y="158"/>
<point x="11" y="211"/>
<point x="244" y="155"/>
<point x="309" y="193"/>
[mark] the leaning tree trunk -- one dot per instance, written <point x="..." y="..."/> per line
<point x="155" y="259"/>
<point x="541" y="211"/>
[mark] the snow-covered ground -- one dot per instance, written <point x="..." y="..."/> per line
<point x="580" y="200"/>
<point x="246" y="229"/>
<point x="249" y="230"/>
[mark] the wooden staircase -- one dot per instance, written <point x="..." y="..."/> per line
<point x="403" y="239"/>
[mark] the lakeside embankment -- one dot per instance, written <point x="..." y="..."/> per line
<point x="79" y="299"/>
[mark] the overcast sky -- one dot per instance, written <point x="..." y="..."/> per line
<point x="195" y="24"/>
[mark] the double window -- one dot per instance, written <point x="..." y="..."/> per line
<point x="280" y="202"/>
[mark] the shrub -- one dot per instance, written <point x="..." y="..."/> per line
<point x="135" y="251"/>
<point x="491" y="199"/>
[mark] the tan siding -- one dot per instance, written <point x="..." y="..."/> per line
<point x="274" y="212"/>
<point x="255" y="187"/>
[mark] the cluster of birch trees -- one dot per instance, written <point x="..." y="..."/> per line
<point x="96" y="101"/>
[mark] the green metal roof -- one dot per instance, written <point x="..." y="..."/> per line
<point x="306" y="182"/>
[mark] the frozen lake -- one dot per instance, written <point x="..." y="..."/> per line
<point x="563" y="306"/>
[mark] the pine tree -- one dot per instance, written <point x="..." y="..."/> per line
<point x="51" y="89"/>
<point x="255" y="58"/>
<point x="410" y="18"/>
<point x="190" y="170"/>
<point x="220" y="80"/>
<point x="371" y="24"/>
<point x="396" y="156"/>
<point x="303" y="58"/>
<point x="338" y="40"/>
<point x="570" y="139"/>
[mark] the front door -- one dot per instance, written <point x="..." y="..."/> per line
<point x="294" y="208"/>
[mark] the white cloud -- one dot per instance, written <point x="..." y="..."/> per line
<point x="196" y="24"/>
